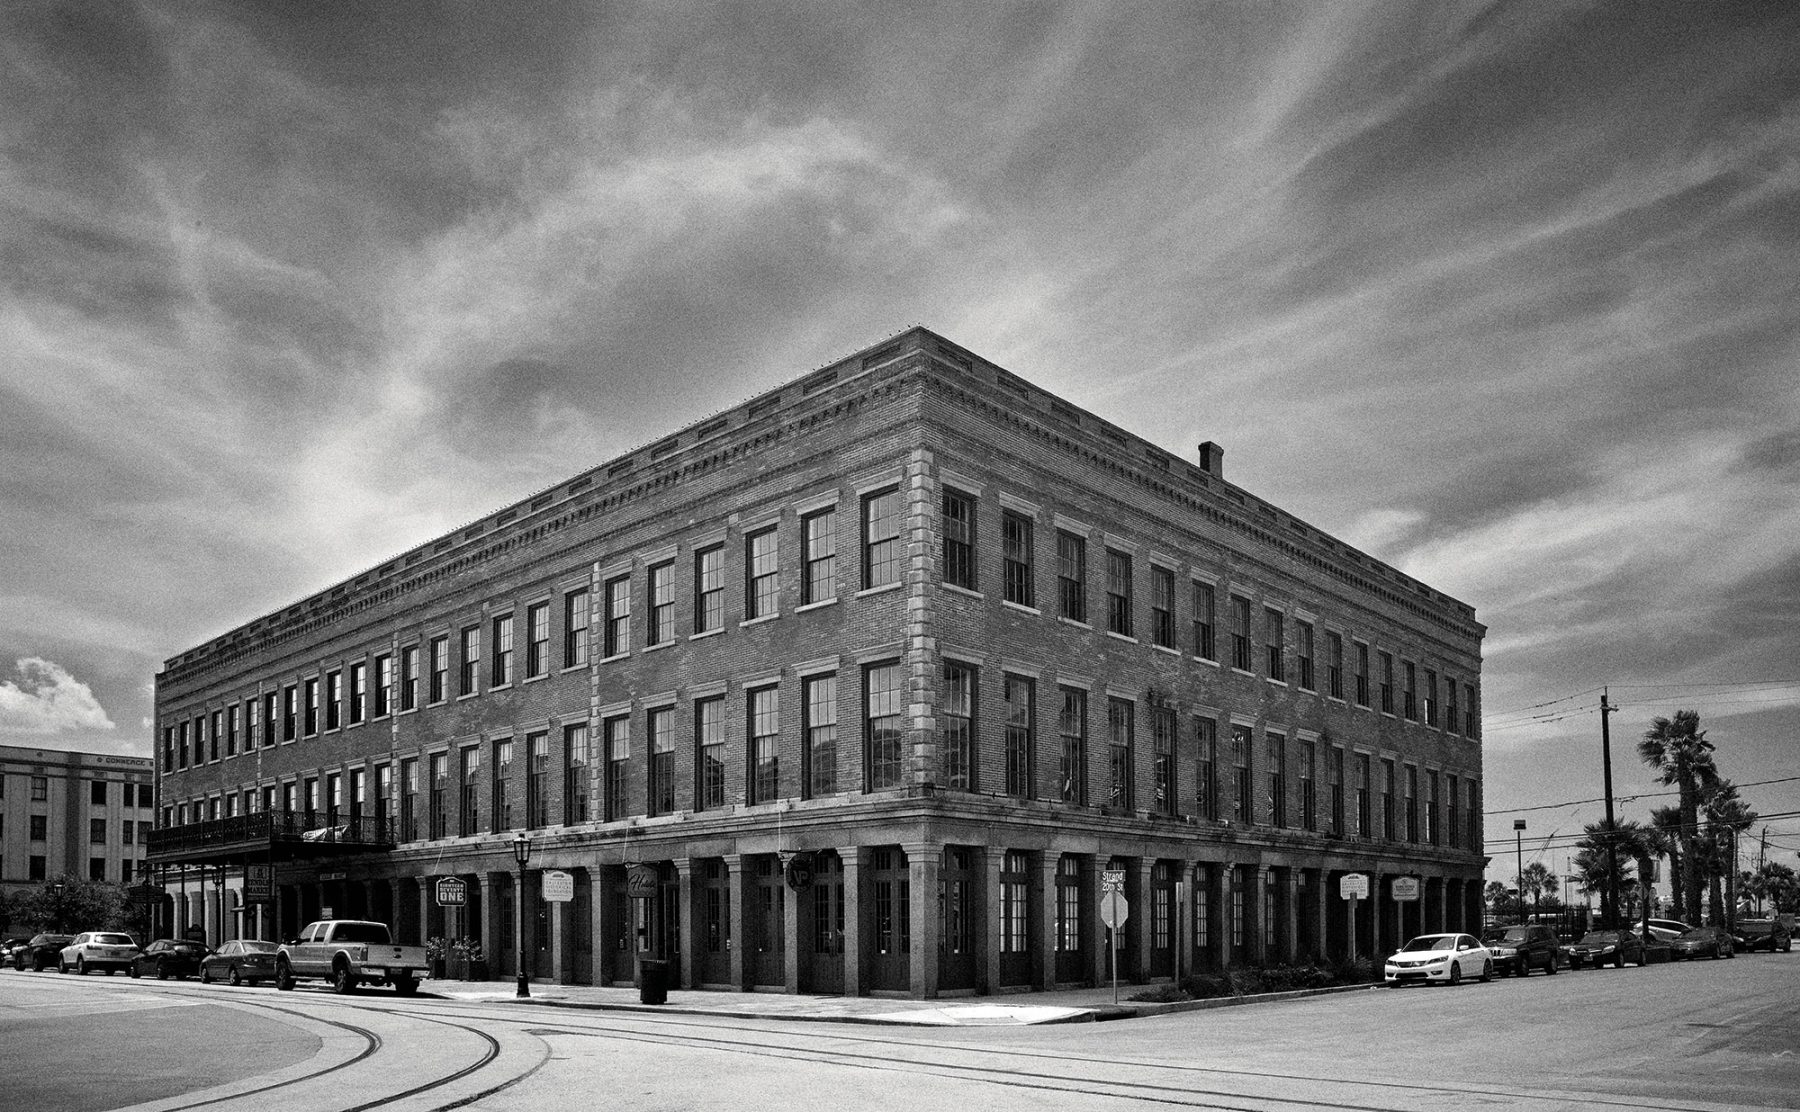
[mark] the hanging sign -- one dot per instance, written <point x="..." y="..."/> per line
<point x="800" y="872"/>
<point x="451" y="892"/>
<point x="558" y="886"/>
<point x="642" y="881"/>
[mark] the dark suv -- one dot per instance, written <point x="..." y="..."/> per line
<point x="1519" y="949"/>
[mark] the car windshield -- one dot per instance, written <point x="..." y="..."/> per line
<point x="1430" y="942"/>
<point x="1598" y="938"/>
<point x="53" y="939"/>
<point x="188" y="947"/>
<point x="251" y="946"/>
<point x="1510" y="934"/>
<point x="361" y="932"/>
<point x="1698" y="934"/>
<point x="113" y="940"/>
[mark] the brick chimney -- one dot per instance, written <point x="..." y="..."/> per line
<point x="1212" y="459"/>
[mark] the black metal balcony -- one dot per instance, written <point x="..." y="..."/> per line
<point x="266" y="835"/>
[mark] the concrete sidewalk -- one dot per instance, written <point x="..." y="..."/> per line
<point x="1082" y="1005"/>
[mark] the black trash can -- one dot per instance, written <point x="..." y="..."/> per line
<point x="653" y="981"/>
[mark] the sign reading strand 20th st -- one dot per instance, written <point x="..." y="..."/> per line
<point x="450" y="891"/>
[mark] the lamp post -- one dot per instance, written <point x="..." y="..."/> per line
<point x="1519" y="854"/>
<point x="521" y="853"/>
<point x="56" y="890"/>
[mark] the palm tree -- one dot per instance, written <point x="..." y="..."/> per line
<point x="1726" y="816"/>
<point x="1538" y="879"/>
<point x="1665" y="828"/>
<point x="1679" y="752"/>
<point x="1593" y="864"/>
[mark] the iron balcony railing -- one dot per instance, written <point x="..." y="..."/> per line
<point x="273" y="826"/>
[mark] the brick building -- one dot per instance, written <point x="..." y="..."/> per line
<point x="859" y="687"/>
<point x="69" y="814"/>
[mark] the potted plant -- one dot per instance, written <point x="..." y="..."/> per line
<point x="434" y="955"/>
<point x="467" y="952"/>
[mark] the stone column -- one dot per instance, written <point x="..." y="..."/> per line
<point x="1139" y="923"/>
<point x="853" y="858"/>
<point x="791" y="918"/>
<point x="1252" y="876"/>
<point x="601" y="914"/>
<point x="988" y="975"/>
<point x="1287" y="903"/>
<point x="491" y="921"/>
<point x="559" y="941"/>
<point x="737" y="879"/>
<point x="690" y="947"/>
<point x="1322" y="896"/>
<point x="923" y="862"/>
<point x="1047" y="862"/>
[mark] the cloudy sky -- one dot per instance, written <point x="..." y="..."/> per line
<point x="1505" y="294"/>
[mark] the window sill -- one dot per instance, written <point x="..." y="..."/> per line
<point x="1073" y="622"/>
<point x="967" y="592"/>
<point x="1122" y="637"/>
<point x="1277" y="683"/>
<point x="705" y="633"/>
<point x="470" y="695"/>
<point x="567" y="668"/>
<point x="1022" y="608"/>
<point x="500" y="686"/>
<point x="537" y="678"/>
<point x="658" y="647"/>
<point x="883" y="589"/>
<point x="1203" y="660"/>
<point x="1241" y="672"/>
<point x="616" y="656"/>
<point x="758" y="620"/>
<point x="820" y="605"/>
<point x="1166" y="649"/>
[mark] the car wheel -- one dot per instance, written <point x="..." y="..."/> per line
<point x="1730" y="952"/>
<point x="62" y="966"/>
<point x="135" y="974"/>
<point x="1550" y="966"/>
<point x="1455" y="973"/>
<point x="1619" y="960"/>
<point x="205" y="975"/>
<point x="81" y="966"/>
<point x="1787" y="944"/>
<point x="162" y="971"/>
<point x="284" y="977"/>
<point x="342" y="981"/>
<point x="234" y="977"/>
<point x="1487" y="972"/>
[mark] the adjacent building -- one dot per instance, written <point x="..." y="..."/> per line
<point x="65" y="814"/>
<point x="873" y="684"/>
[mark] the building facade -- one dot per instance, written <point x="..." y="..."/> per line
<point x="872" y="684"/>
<point x="67" y="814"/>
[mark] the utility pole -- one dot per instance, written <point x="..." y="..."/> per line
<point x="1519" y="856"/>
<point x="1611" y="909"/>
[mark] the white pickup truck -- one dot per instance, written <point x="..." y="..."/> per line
<point x="348" y="953"/>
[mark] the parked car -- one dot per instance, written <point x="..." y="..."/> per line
<point x="1439" y="957"/>
<point x="109" y="951"/>
<point x="240" y="961"/>
<point x="41" y="952"/>
<point x="1517" y="949"/>
<point x="1602" y="948"/>
<point x="6" y="949"/>
<point x="1713" y="942"/>
<point x="1668" y="930"/>
<point x="169" y="957"/>
<point x="1765" y="934"/>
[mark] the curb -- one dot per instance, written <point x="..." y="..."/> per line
<point x="1085" y="1015"/>
<point x="1151" y="1008"/>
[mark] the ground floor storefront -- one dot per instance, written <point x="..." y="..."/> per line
<point x="975" y="910"/>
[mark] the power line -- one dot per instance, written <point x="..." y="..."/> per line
<point x="1628" y="798"/>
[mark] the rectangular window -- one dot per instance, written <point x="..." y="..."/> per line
<point x="1334" y="664"/>
<point x="1206" y="769"/>
<point x="709" y="738"/>
<point x="503" y="778"/>
<point x="1451" y="721"/>
<point x="659" y="727"/>
<point x="576" y="609"/>
<point x="577" y="762"/>
<point x="1275" y="643"/>
<point x="762" y="574"/>
<point x="253" y="723"/>
<point x="1071" y="725"/>
<point x="1071" y="576"/>
<point x="334" y="798"/>
<point x="1118" y="592"/>
<point x="1470" y="723"/>
<point x="470" y="673"/>
<point x="1309" y="819"/>
<point x="959" y="539"/>
<point x="1389" y="804"/>
<point x="1410" y="707"/>
<point x="435" y="807"/>
<point x="1162" y="771"/>
<point x="1363" y="827"/>
<point x="1015" y="904"/>
<point x="709" y="589"/>
<point x="883" y="515"/>
<point x="40" y="828"/>
<point x="1278" y="811"/>
<point x="438" y="686"/>
<point x="334" y="700"/>
<point x="1241" y="805"/>
<point x="1240" y="633"/>
<point x="409" y="677"/>
<point x="231" y="730"/>
<point x="97" y="831"/>
<point x="311" y="709"/>
<point x="1303" y="653"/>
<point x="821" y="735"/>
<point x="1431" y="703"/>
<point x="537" y="640"/>
<point x="661" y="589"/>
<point x="1068" y="905"/>
<point x="1162" y="607"/>
<point x="1120" y="726"/>
<point x="765" y="745"/>
<point x="128" y="832"/>
<point x="1335" y="773"/>
<point x="1473" y="818"/>
<point x="1412" y="804"/>
<point x="502" y="672"/>
<point x="1019" y="695"/>
<point x="384" y="794"/>
<point x="1017" y="568"/>
<point x="616" y="633"/>
<point x="356" y="795"/>
<point x="1387" y="683"/>
<point x="956" y="726"/>
<point x="384" y="685"/>
<point x="615" y="735"/>
<point x="1362" y="674"/>
<point x="819" y="530"/>
<point x="884" y="724"/>
<point x="1453" y="813"/>
<point x="1205" y="600"/>
<point x="470" y="791"/>
<point x="1432" y="834"/>
<point x="358" y="692"/>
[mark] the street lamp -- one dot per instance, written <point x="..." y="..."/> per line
<point x="521" y="853"/>
<point x="1519" y="854"/>
<point x="56" y="890"/>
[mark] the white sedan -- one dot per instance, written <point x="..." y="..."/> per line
<point x="1440" y="957"/>
<point x="97" y="950"/>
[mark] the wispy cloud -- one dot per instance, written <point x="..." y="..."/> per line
<point x="46" y="700"/>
